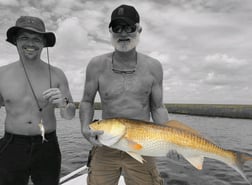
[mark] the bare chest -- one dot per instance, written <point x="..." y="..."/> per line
<point x="15" y="88"/>
<point x="112" y="85"/>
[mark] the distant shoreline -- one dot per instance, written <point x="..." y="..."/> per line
<point x="211" y="110"/>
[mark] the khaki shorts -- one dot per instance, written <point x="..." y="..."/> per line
<point x="106" y="166"/>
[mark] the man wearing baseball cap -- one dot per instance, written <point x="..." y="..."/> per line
<point x="130" y="86"/>
<point x="30" y="90"/>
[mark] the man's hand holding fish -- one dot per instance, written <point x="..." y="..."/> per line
<point x="92" y="136"/>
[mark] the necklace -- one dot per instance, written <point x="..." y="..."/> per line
<point x="129" y="71"/>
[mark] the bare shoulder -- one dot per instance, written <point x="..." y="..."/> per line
<point x="99" y="61"/>
<point x="8" y="68"/>
<point x="58" y="74"/>
<point x="57" y="70"/>
<point x="2" y="69"/>
<point x="97" y="64"/>
<point x="7" y="73"/>
<point x="153" y="65"/>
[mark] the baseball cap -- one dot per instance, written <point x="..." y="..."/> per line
<point x="124" y="13"/>
<point x="29" y="23"/>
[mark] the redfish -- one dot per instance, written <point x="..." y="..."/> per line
<point x="141" y="138"/>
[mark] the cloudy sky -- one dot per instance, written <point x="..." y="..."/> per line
<point x="204" y="45"/>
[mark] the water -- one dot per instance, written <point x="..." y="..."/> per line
<point x="235" y="134"/>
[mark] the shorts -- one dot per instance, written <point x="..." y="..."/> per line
<point x="106" y="165"/>
<point x="22" y="157"/>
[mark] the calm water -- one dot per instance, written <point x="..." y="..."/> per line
<point x="235" y="134"/>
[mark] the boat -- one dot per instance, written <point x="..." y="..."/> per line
<point x="72" y="179"/>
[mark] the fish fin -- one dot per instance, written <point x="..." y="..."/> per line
<point x="137" y="157"/>
<point x="108" y="139"/>
<point x="134" y="145"/>
<point x="196" y="161"/>
<point x="178" y="125"/>
<point x="240" y="159"/>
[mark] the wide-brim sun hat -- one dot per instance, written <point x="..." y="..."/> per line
<point x="32" y="24"/>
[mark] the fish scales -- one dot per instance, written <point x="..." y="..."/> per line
<point x="155" y="133"/>
<point x="140" y="138"/>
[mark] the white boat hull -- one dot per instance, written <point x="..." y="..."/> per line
<point x="82" y="179"/>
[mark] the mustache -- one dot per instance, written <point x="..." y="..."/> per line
<point x="125" y="44"/>
<point x="31" y="47"/>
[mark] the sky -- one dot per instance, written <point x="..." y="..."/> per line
<point x="204" y="46"/>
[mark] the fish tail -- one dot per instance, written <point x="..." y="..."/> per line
<point x="244" y="157"/>
<point x="240" y="159"/>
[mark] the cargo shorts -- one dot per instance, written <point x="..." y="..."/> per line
<point x="107" y="165"/>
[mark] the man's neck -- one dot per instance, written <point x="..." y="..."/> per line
<point x="125" y="56"/>
<point x="30" y="62"/>
<point x="34" y="64"/>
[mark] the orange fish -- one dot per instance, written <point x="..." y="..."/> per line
<point x="141" y="138"/>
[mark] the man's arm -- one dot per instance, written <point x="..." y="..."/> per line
<point x="67" y="111"/>
<point x="86" y="112"/>
<point x="158" y="110"/>
<point x="87" y="103"/>
<point x="61" y="96"/>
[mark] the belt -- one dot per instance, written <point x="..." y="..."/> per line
<point x="15" y="138"/>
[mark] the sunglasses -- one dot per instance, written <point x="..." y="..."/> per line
<point x="127" y="28"/>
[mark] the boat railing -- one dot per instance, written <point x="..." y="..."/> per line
<point x="70" y="175"/>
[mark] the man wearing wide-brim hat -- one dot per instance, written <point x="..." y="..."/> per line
<point x="32" y="24"/>
<point x="30" y="90"/>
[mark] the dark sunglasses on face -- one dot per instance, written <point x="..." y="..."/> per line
<point x="126" y="28"/>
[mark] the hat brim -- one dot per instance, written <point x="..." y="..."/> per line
<point x="13" y="31"/>
<point x="121" y="19"/>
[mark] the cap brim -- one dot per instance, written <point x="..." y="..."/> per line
<point x="121" y="19"/>
<point x="12" y="33"/>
